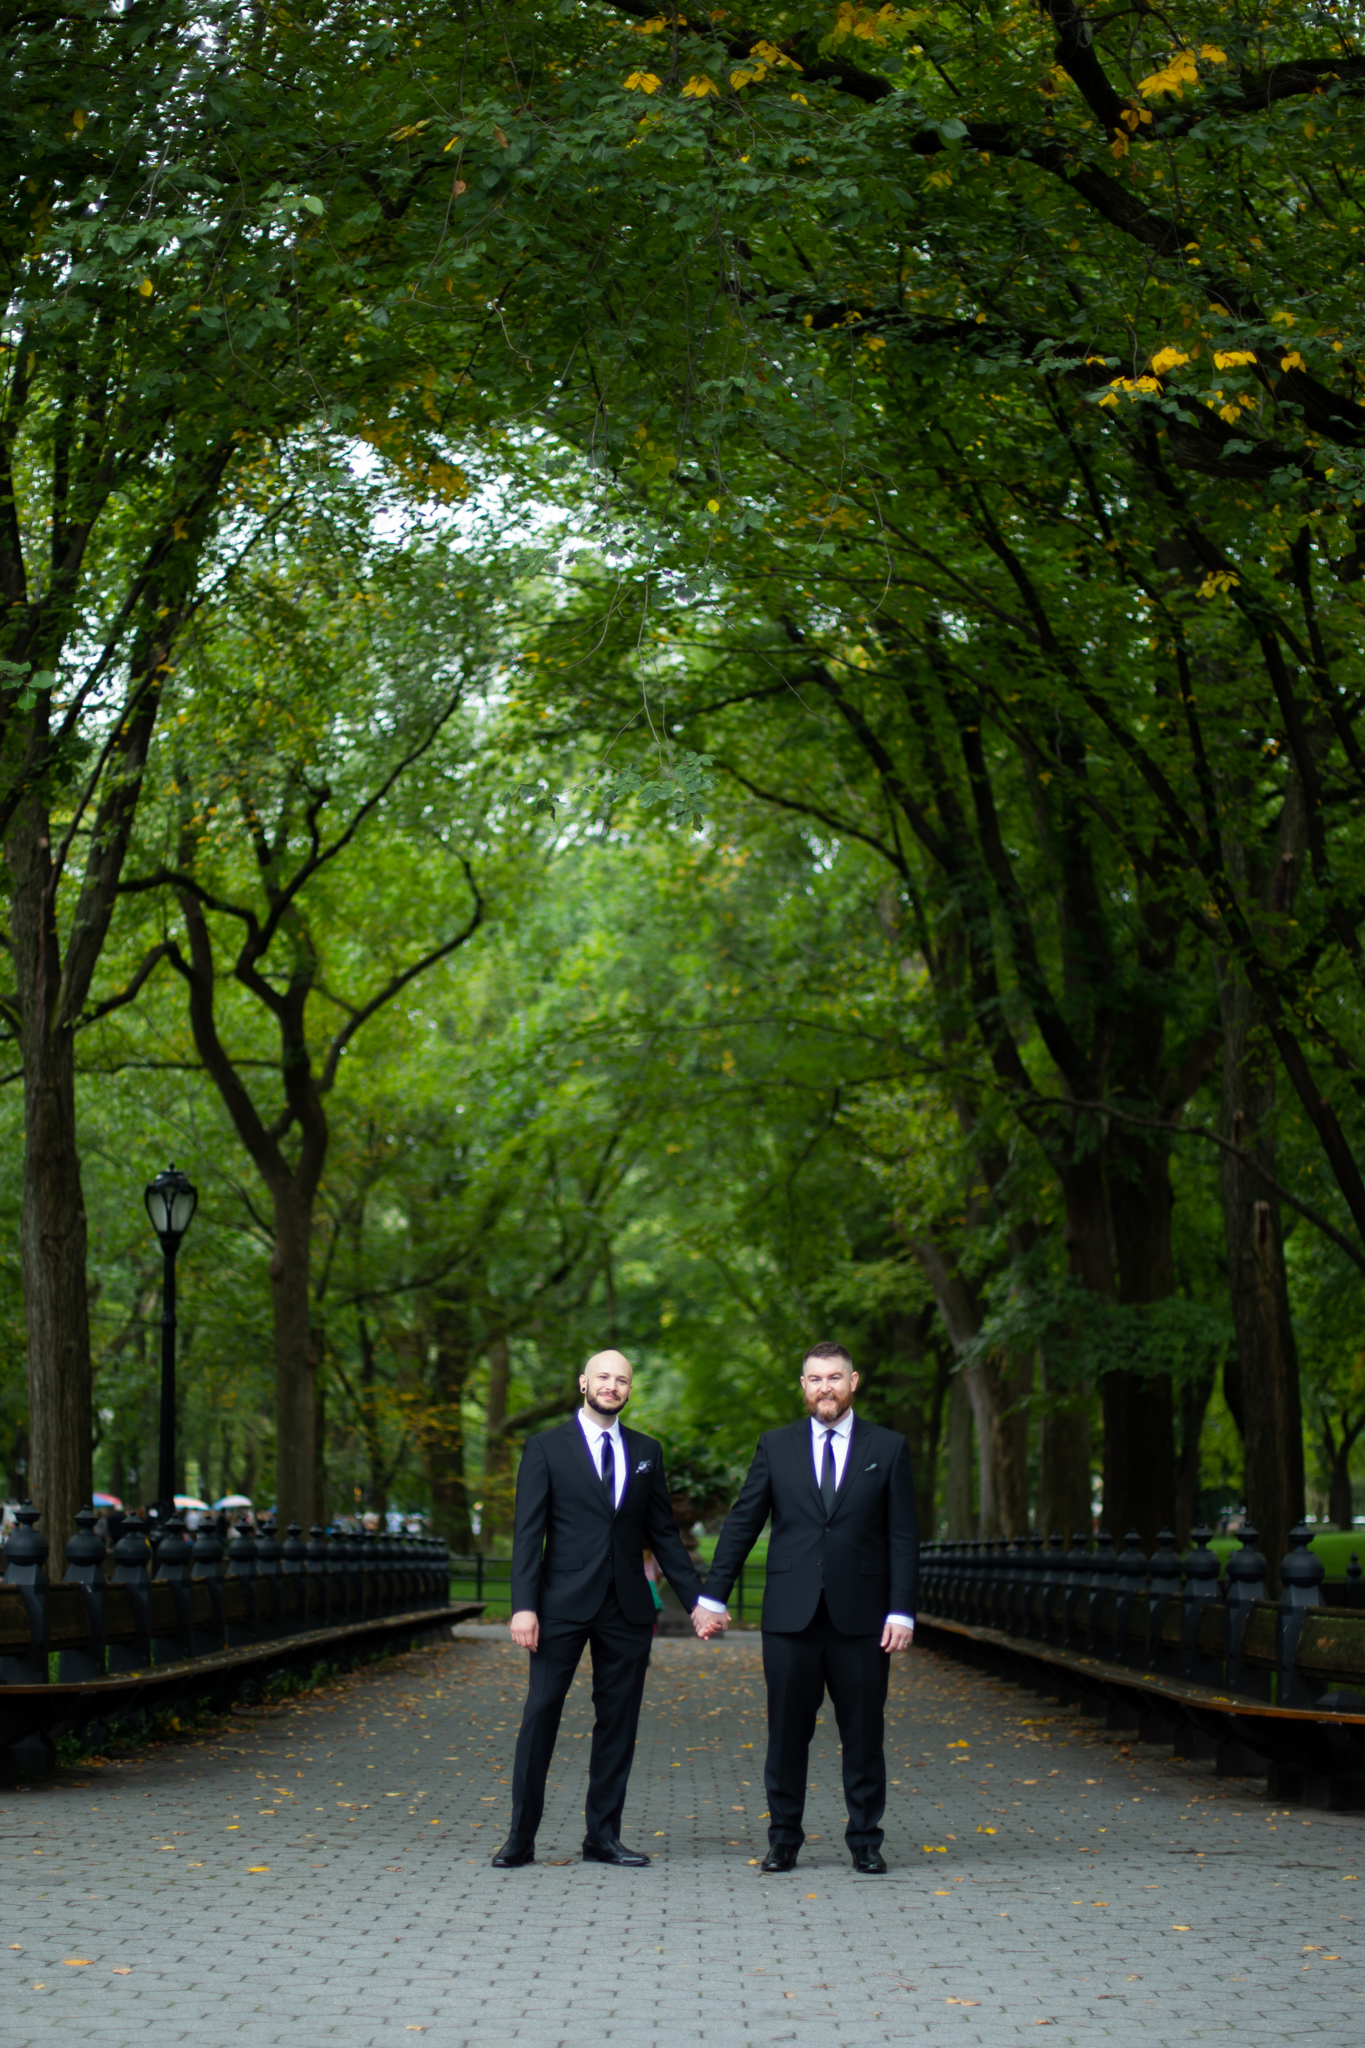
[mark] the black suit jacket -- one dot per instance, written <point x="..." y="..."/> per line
<point x="568" y="1546"/>
<point x="863" y="1556"/>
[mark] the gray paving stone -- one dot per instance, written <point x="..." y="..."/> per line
<point x="321" y="1875"/>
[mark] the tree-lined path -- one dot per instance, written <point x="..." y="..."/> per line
<point x="320" y="1874"/>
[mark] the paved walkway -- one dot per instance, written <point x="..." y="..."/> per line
<point x="320" y="1875"/>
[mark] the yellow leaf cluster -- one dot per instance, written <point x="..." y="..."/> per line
<point x="1233" y="358"/>
<point x="868" y="24"/>
<point x="1168" y="359"/>
<point x="770" y="58"/>
<point x="1181" y="71"/>
<point x="1293" y="361"/>
<point x="1132" y="385"/>
<point x="698" y="86"/>
<point x="1218" y="583"/>
<point x="641" y="81"/>
<point x="655" y="27"/>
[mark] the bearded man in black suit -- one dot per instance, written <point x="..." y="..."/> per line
<point x="590" y="1496"/>
<point x="843" y="1562"/>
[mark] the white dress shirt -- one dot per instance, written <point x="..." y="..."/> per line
<point x="843" y="1432"/>
<point x="843" y="1436"/>
<point x="593" y="1434"/>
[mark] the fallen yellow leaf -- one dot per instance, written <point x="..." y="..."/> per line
<point x="122" y="1970"/>
<point x="962" y="2001"/>
<point x="78" y="1962"/>
<point x="1178" y="1929"/>
<point x="255" y="1869"/>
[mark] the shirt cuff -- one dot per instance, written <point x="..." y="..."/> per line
<point x="711" y="1606"/>
<point x="902" y="1620"/>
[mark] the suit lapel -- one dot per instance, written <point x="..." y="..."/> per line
<point x="631" y="1447"/>
<point x="806" y="1440"/>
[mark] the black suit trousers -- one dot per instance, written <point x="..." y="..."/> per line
<point x="799" y="1668"/>
<point x="620" y="1659"/>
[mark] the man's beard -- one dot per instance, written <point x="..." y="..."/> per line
<point x="598" y="1409"/>
<point x="828" y="1421"/>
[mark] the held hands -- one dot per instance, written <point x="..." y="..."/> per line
<point x="895" y="1637"/>
<point x="708" y="1624"/>
<point x="526" y="1629"/>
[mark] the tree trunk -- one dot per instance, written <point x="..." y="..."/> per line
<point x="53" y="1236"/>
<point x="319" y="1433"/>
<point x="1194" y="1404"/>
<point x="369" y="1421"/>
<point x="1006" y="1405"/>
<point x="961" y="1314"/>
<point x="1267" y="1360"/>
<point x="497" y="1451"/>
<point x="295" y="1363"/>
<point x="958" y="1490"/>
<point x="1064" y="1479"/>
<point x="926" y="1490"/>
<point x="452" y="1344"/>
<point x="1139" y="1408"/>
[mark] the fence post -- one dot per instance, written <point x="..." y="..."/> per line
<point x="173" y="1556"/>
<point x="317" y="1592"/>
<point x="206" y="1564"/>
<point x="25" y="1557"/>
<point x="1201" y="1586"/>
<point x="1103" y="1567"/>
<point x="338" y="1584"/>
<point x="1301" y="1577"/>
<point x="242" y="1559"/>
<point x="1163" y="1587"/>
<point x="269" y="1570"/>
<point x="85" y="1568"/>
<point x="1075" y="1595"/>
<point x="1246" y="1585"/>
<point x="1131" y="1580"/>
<point x="132" y="1562"/>
<point x="1054" y="1581"/>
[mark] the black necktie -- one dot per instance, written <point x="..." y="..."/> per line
<point x="829" y="1485"/>
<point x="608" y="1471"/>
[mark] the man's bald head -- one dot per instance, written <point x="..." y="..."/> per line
<point x="605" y="1384"/>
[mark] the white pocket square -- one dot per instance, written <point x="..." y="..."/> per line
<point x="869" y="1468"/>
<point x="645" y="1465"/>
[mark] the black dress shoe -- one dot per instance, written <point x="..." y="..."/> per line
<point x="609" y="1850"/>
<point x="780" y="1859"/>
<point x="869" y="1862"/>
<point x="510" y="1857"/>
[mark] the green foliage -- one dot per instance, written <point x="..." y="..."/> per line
<point x="953" y="655"/>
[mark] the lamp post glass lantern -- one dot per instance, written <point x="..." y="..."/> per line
<point x="171" y="1202"/>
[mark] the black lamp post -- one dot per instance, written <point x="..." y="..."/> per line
<point x="171" y="1202"/>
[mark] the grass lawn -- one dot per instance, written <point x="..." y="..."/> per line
<point x="1333" y="1546"/>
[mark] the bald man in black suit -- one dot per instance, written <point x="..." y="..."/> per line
<point x="590" y="1496"/>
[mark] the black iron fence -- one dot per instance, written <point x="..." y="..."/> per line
<point x="1190" y="1618"/>
<point x="149" y="1629"/>
<point x="183" y="1599"/>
